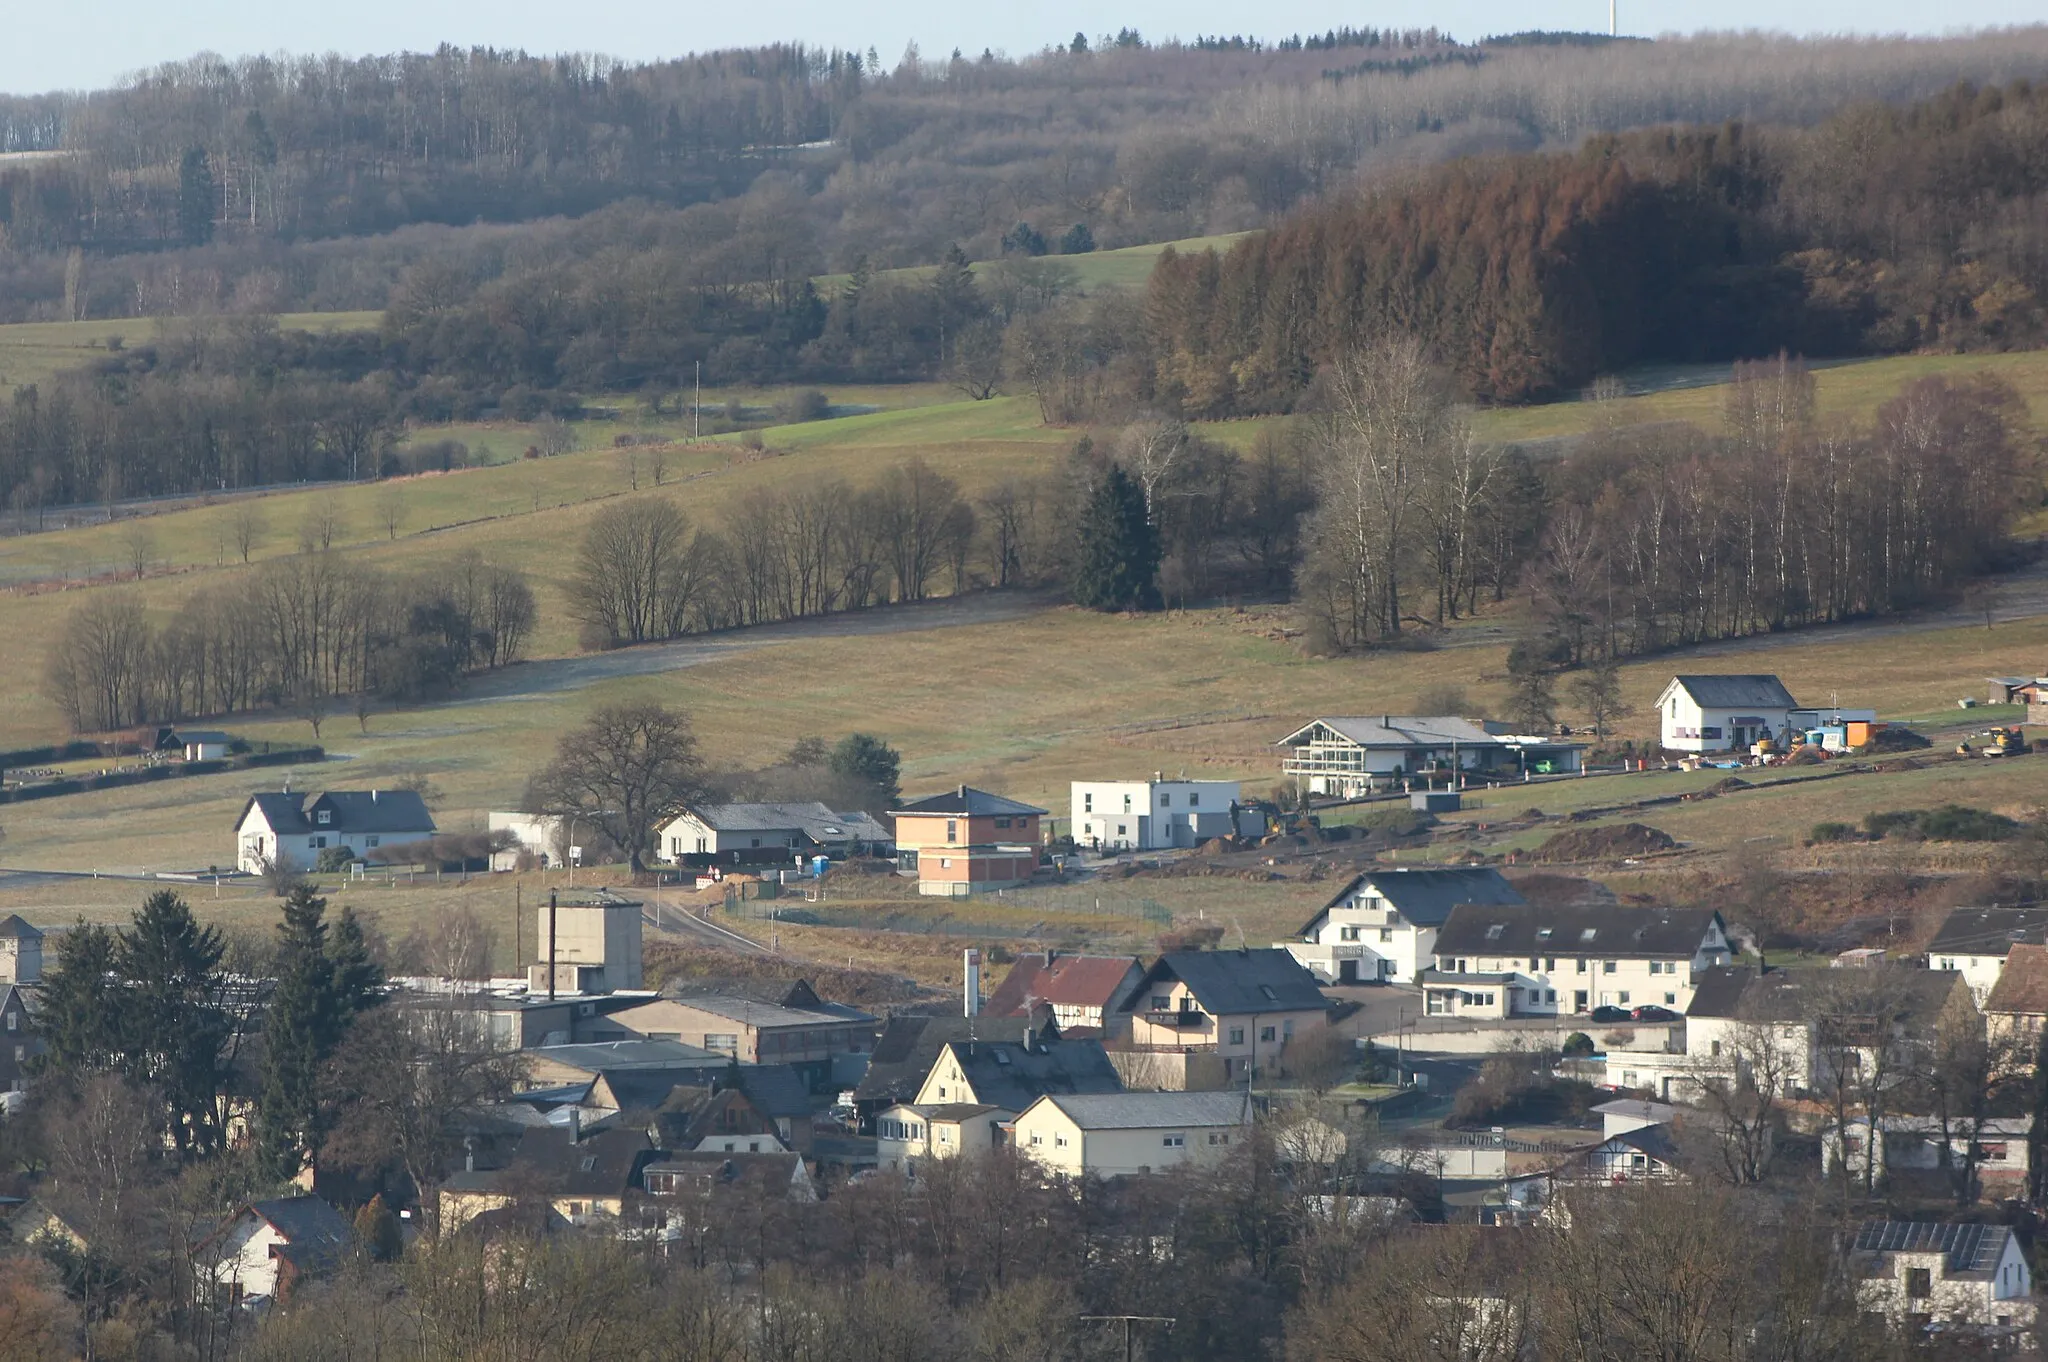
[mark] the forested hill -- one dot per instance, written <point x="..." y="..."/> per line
<point x="197" y="184"/>
<point x="1883" y="229"/>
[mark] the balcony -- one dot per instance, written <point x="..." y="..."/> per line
<point x="1184" y="1017"/>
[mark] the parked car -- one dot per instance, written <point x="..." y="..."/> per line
<point x="1611" y="1014"/>
<point x="1650" y="1012"/>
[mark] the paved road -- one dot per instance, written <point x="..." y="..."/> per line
<point x="556" y="674"/>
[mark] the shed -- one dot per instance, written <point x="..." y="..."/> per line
<point x="1434" y="801"/>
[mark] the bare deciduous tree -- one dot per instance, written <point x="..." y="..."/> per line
<point x="626" y="771"/>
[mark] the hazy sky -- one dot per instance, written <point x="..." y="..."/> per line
<point x="47" y="45"/>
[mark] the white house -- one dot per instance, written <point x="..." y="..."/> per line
<point x="291" y="829"/>
<point x="1974" y="942"/>
<point x="204" y="744"/>
<point x="266" y="1246"/>
<point x="1970" y="1279"/>
<point x="539" y="835"/>
<point x="1725" y="713"/>
<point x="1497" y="960"/>
<point x="1350" y="756"/>
<point x="908" y="1134"/>
<point x="1148" y="815"/>
<point x="1382" y="926"/>
<point x="1125" y="1133"/>
<point x="1914" y="1142"/>
<point x="752" y="834"/>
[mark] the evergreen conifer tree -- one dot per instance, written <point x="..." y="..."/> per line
<point x="325" y="977"/>
<point x="174" y="1032"/>
<point x="80" y="1013"/>
<point x="1117" y="567"/>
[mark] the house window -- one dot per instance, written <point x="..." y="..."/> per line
<point x="1386" y="933"/>
<point x="1287" y="1030"/>
<point x="1656" y="967"/>
<point x="1237" y="1035"/>
<point x="1607" y="967"/>
<point x="372" y="840"/>
<point x="1165" y="800"/>
<point x="945" y="862"/>
<point x="1622" y="997"/>
<point x="14" y="1021"/>
<point x="1550" y="964"/>
<point x="1266" y="1034"/>
<point x="1087" y="803"/>
<point x="1122" y="830"/>
<point x="1194" y="801"/>
<point x="1919" y="1283"/>
<point x="1717" y="1048"/>
<point x="952" y="830"/>
<point x="1457" y="967"/>
<point x="1127" y="803"/>
<point x="324" y="817"/>
<point x="1161" y="1002"/>
<point x="1347" y="933"/>
<point x="1037" y="1138"/>
<point x="728" y="1041"/>
<point x="316" y="843"/>
<point x="1002" y="822"/>
<point x="1059" y="1141"/>
<point x="1671" y="1000"/>
<point x="1177" y="1141"/>
<point x="1582" y="966"/>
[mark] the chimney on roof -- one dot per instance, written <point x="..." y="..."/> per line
<point x="963" y="791"/>
<point x="373" y="794"/>
<point x="469" y="1153"/>
<point x="1027" y="1036"/>
<point x="1050" y="952"/>
<point x="575" y="1125"/>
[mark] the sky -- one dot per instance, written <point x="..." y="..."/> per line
<point x="45" y="45"/>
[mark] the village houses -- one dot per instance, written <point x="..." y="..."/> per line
<point x="1975" y="942"/>
<point x="1132" y="1133"/>
<point x="799" y="1028"/>
<point x="1972" y="1279"/>
<point x="767" y="834"/>
<point x="1151" y="815"/>
<point x="1081" y="991"/>
<point x="1345" y="757"/>
<point x="255" y="1257"/>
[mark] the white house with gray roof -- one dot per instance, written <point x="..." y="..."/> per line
<point x="1732" y="712"/>
<point x="1382" y="926"/>
<point x="1128" y="1134"/>
<point x="1345" y="757"/>
<point x="294" y="829"/>
<point x="1971" y="1280"/>
<point x="741" y="834"/>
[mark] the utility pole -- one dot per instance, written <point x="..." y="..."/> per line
<point x="1128" y="1321"/>
<point x="697" y="407"/>
<point x="551" y="945"/>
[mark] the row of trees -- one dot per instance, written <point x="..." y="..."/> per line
<point x="1528" y="276"/>
<point x="302" y="630"/>
<point x="645" y="572"/>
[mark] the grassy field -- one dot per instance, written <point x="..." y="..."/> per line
<point x="1850" y="389"/>
<point x="1124" y="269"/>
<point x="30" y="352"/>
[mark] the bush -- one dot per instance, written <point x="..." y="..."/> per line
<point x="1948" y="823"/>
<point x="1834" y="832"/>
<point x="1578" y="1045"/>
<point x="808" y="405"/>
<point x="334" y="860"/>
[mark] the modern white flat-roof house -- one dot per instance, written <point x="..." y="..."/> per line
<point x="293" y="829"/>
<point x="1350" y="756"/>
<point x="1148" y="815"/>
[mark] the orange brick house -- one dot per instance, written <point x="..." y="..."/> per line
<point x="967" y="841"/>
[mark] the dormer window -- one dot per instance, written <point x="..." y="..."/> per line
<point x="323" y="817"/>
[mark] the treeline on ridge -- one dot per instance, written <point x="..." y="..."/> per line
<point x="1878" y="231"/>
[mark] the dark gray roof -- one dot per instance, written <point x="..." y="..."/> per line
<point x="967" y="801"/>
<point x="16" y="926"/>
<point x="1735" y="993"/>
<point x="814" y="820"/>
<point x="189" y="736"/>
<point x="1989" y="931"/>
<point x="1152" y="1110"/>
<point x="1739" y="992"/>
<point x="379" y="811"/>
<point x="1966" y="1248"/>
<point x="910" y="1044"/>
<point x="1005" y="1073"/>
<point x="774" y="1089"/>
<point x="1602" y="929"/>
<point x="316" y="1235"/>
<point x="1717" y="691"/>
<point x="1653" y="1140"/>
<point x="1227" y="983"/>
<point x="1425" y="895"/>
<point x="612" y="1056"/>
<point x="605" y="1163"/>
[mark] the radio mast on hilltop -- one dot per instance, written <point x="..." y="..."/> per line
<point x="1612" y="32"/>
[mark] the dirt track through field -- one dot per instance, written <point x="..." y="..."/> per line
<point x="555" y="674"/>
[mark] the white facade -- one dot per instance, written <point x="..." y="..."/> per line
<point x="1906" y="1284"/>
<point x="1188" y="1128"/>
<point x="538" y="834"/>
<point x="1688" y="723"/>
<point x="246" y="1266"/>
<point x="908" y="1134"/>
<point x="1559" y="985"/>
<point x="257" y="843"/>
<point x="1151" y="815"/>
<point x="1980" y="972"/>
<point x="1363" y="937"/>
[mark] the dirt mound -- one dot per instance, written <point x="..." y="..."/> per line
<point x="1603" y="844"/>
<point x="1546" y="890"/>
<point x="1724" y="786"/>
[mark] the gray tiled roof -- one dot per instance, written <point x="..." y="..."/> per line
<point x="1989" y="931"/>
<point x="967" y="801"/>
<point x="1732" y="691"/>
<point x="1229" y="983"/>
<point x="1601" y="929"/>
<point x="1425" y="895"/>
<point x="1007" y="1074"/>
<point x="378" y="811"/>
<point x="1153" y="1110"/>
<point x="1401" y="730"/>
